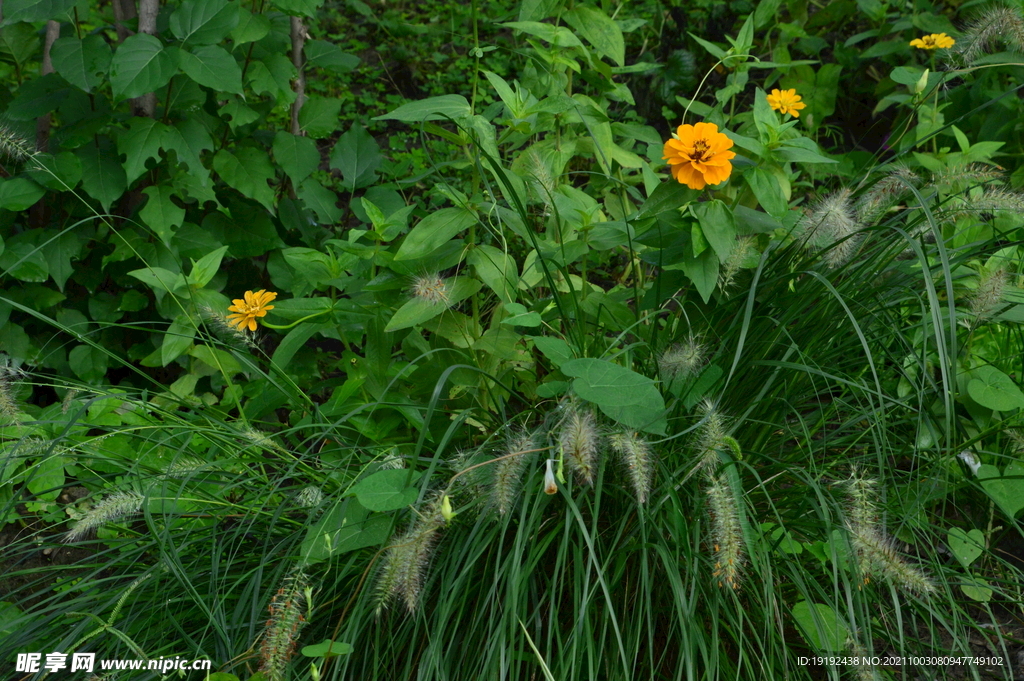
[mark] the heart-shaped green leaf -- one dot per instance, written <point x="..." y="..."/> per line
<point x="1006" y="490"/>
<point x="993" y="389"/>
<point x="966" y="546"/>
<point x="977" y="589"/>
<point x="327" y="648"/>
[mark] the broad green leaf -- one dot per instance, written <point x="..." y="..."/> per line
<point x="59" y="253"/>
<point x="204" y="22"/>
<point x="557" y="36"/>
<point x="59" y="172"/>
<point x="430" y="109"/>
<point x="35" y="10"/>
<point x="347" y="526"/>
<point x="329" y="56"/>
<point x="327" y="648"/>
<point x="977" y="589"/>
<point x="217" y="359"/>
<point x="88" y="363"/>
<point x="993" y="389"/>
<point x="294" y="341"/>
<point x="24" y="261"/>
<point x="966" y="546"/>
<point x="599" y="30"/>
<point x="319" y="116"/>
<point x="496" y="269"/>
<point x="718" y="226"/>
<point x="702" y="271"/>
<point x="212" y="66"/>
<point x="555" y="349"/>
<point x="38" y="97"/>
<point x="768" y="192"/>
<point x="386" y="490"/>
<point x="141" y="142"/>
<point x="1007" y="490"/>
<point x="84" y="63"/>
<point x="20" y="41"/>
<point x="189" y="139"/>
<point x="667" y="196"/>
<point x="158" y="278"/>
<point x="821" y="626"/>
<point x="622" y="394"/>
<point x="204" y="269"/>
<point x="46" y="475"/>
<point x="357" y="156"/>
<point x="299" y="8"/>
<point x="250" y="28"/>
<point x="160" y="213"/>
<point x="297" y="308"/>
<point x="177" y="339"/>
<point x="320" y="200"/>
<point x="418" y="310"/>
<point x="103" y="178"/>
<point x="140" y="65"/>
<point x="248" y="172"/>
<point x="19" y="193"/>
<point x="297" y="156"/>
<point x="434" y="231"/>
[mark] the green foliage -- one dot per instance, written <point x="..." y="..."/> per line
<point x="736" y="399"/>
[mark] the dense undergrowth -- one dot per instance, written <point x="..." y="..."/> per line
<point x="562" y="340"/>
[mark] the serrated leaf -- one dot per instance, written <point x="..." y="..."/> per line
<point x="248" y="172"/>
<point x="319" y="116"/>
<point x="430" y="109"/>
<point x="386" y="490"/>
<point x="212" y="66"/>
<point x="84" y="63"/>
<point x="434" y="231"/>
<point x="140" y="65"/>
<point x="357" y="156"/>
<point x="160" y="213"/>
<point x="203" y="22"/>
<point x="297" y="156"/>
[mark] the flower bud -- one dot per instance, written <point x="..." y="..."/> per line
<point x="550" y="486"/>
<point x="446" y="509"/>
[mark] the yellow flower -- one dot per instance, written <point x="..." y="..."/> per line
<point x="786" y="102"/>
<point x="933" y="41"/>
<point x="254" y="305"/>
<point x="698" y="155"/>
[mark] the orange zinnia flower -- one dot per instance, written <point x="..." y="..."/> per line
<point x="933" y="42"/>
<point x="786" y="101"/>
<point x="698" y="155"/>
<point x="254" y="305"/>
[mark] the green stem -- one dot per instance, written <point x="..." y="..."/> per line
<point x="296" y="322"/>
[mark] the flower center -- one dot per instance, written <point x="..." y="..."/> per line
<point x="700" y="149"/>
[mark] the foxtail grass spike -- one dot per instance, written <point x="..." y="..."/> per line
<point x="115" y="507"/>
<point x="726" y="533"/>
<point x="287" y="617"/>
<point x="683" y="359"/>
<point x="830" y="226"/>
<point x="580" y="440"/>
<point x="508" y="471"/>
<point x="987" y="297"/>
<point x="999" y="23"/>
<point x="636" y="455"/>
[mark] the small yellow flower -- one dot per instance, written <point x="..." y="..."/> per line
<point x="698" y="155"/>
<point x="933" y="42"/>
<point x="786" y="102"/>
<point x="254" y="305"/>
